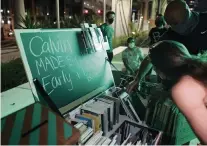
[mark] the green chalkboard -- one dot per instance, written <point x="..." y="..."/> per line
<point x="54" y="57"/>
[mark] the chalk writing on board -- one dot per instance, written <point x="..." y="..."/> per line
<point x="57" y="46"/>
<point x="78" y="75"/>
<point x="51" y="62"/>
<point x="50" y="83"/>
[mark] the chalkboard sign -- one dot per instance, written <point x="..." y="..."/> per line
<point x="54" y="57"/>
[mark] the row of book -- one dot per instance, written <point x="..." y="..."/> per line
<point x="93" y="38"/>
<point x="130" y="133"/>
<point x="88" y="137"/>
<point x="101" y="114"/>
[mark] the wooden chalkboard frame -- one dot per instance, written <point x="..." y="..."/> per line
<point x="69" y="106"/>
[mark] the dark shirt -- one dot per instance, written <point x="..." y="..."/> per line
<point x="196" y="41"/>
<point x="155" y="34"/>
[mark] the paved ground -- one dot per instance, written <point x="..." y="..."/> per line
<point x="9" y="50"/>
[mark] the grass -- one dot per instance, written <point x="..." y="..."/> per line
<point x="12" y="74"/>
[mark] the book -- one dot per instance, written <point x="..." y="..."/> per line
<point x="78" y="125"/>
<point x="106" y="106"/>
<point x="94" y="138"/>
<point x="82" y="129"/>
<point x="107" y="141"/>
<point x="99" y="111"/>
<point x="116" y="109"/>
<point x="103" y="139"/>
<point x="75" y="121"/>
<point x="86" y="135"/>
<point x="95" y="39"/>
<point x="113" y="142"/>
<point x="112" y="108"/>
<point x="97" y="120"/>
<point x="90" y="122"/>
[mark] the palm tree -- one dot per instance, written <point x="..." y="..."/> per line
<point x="19" y="12"/>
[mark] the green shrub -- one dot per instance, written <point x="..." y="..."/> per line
<point x="12" y="74"/>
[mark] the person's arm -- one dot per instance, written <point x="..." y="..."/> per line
<point x="145" y="67"/>
<point x="189" y="95"/>
<point x="141" y="54"/>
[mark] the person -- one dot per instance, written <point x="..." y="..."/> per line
<point x="188" y="73"/>
<point x="187" y="27"/>
<point x="108" y="31"/>
<point x="157" y="32"/>
<point x="132" y="57"/>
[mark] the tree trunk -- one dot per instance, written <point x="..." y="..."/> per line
<point x="19" y="13"/>
<point x="33" y="10"/>
<point x="145" y="20"/>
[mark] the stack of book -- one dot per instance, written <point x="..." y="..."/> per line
<point x="101" y="114"/>
<point x="99" y="139"/>
<point x="130" y="133"/>
<point x="85" y="132"/>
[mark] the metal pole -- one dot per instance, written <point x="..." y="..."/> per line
<point x="104" y="11"/>
<point x="158" y="7"/>
<point x="58" y="13"/>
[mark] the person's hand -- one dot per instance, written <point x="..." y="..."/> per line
<point x="132" y="86"/>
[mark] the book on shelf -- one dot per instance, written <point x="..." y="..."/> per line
<point x="90" y="122"/>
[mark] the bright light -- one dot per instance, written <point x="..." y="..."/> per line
<point x="84" y="3"/>
<point x="8" y="11"/>
<point x="191" y="9"/>
<point x="64" y="12"/>
<point x="148" y="21"/>
<point x="10" y="33"/>
<point x="88" y="5"/>
<point x="70" y="17"/>
<point x="25" y="13"/>
<point x="48" y="14"/>
<point x="99" y="11"/>
<point x="86" y="11"/>
<point x="2" y="10"/>
<point x="192" y="2"/>
<point x="133" y="32"/>
<point x="54" y="22"/>
<point x="9" y="22"/>
<point x="2" y="21"/>
<point x="141" y="17"/>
